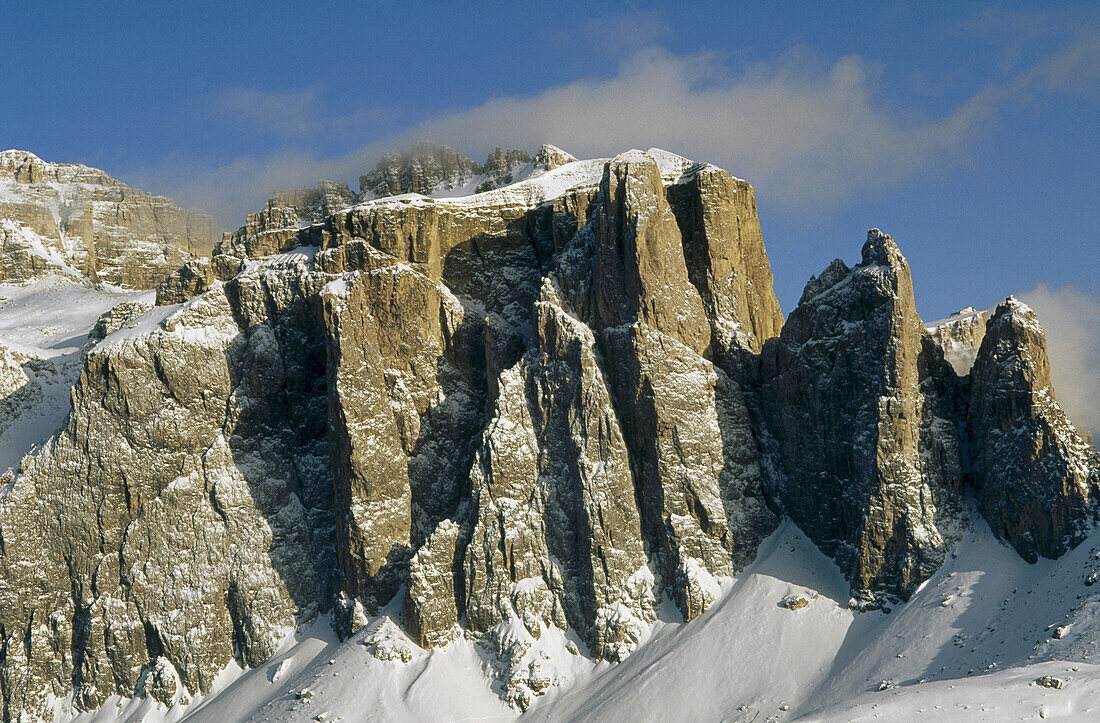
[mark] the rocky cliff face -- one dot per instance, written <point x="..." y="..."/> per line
<point x="424" y="169"/>
<point x="517" y="417"/>
<point x="78" y="220"/>
<point x="1032" y="470"/>
<point x="291" y="210"/>
<point x="509" y="313"/>
<point x="960" y="336"/>
<point x="430" y="169"/>
<point x="864" y="410"/>
<point x="875" y="436"/>
<point x="544" y="406"/>
<point x="186" y="506"/>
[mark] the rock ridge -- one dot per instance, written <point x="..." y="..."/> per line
<point x="543" y="407"/>
<point x="79" y="221"/>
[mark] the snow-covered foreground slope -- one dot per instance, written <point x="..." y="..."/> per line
<point x="43" y="326"/>
<point x="1013" y="694"/>
<point x="970" y="645"/>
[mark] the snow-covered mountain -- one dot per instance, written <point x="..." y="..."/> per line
<point x="960" y="336"/>
<point x="60" y="218"/>
<point x="438" y="171"/>
<point x="547" y="449"/>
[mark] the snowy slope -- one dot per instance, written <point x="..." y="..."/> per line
<point x="537" y="186"/>
<point x="44" y="324"/>
<point x="1011" y="694"/>
<point x="972" y="641"/>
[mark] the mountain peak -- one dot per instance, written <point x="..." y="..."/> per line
<point x="79" y="221"/>
<point x="880" y="248"/>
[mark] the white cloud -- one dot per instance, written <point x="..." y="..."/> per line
<point x="810" y="135"/>
<point x="290" y="115"/>
<point x="1071" y="319"/>
<point x="231" y="189"/>
<point x="1075" y="67"/>
<point x="293" y="116"/>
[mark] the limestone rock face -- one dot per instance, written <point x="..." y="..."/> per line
<point x="552" y="477"/>
<point x="73" y="219"/>
<point x="430" y="169"/>
<point x="191" y="279"/>
<point x="117" y="317"/>
<point x="1031" y="467"/>
<point x="501" y="167"/>
<point x="699" y="488"/>
<point x="283" y="215"/>
<point x="534" y="363"/>
<point x="431" y="601"/>
<point x="726" y="258"/>
<point x="401" y="411"/>
<point x="865" y="412"/>
<point x="183" y="517"/>
<point x="960" y="336"/>
<point x="19" y="384"/>
<point x="540" y="406"/>
<point x="425" y="168"/>
<point x="291" y="210"/>
<point x="550" y="157"/>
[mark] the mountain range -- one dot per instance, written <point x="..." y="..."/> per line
<point x="534" y="420"/>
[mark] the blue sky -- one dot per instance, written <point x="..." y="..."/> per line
<point x="967" y="130"/>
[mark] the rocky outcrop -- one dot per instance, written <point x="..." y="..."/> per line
<point x="284" y="214"/>
<point x="507" y="404"/>
<point x="544" y="406"/>
<point x="960" y="336"/>
<point x="291" y="210"/>
<point x="191" y="279"/>
<point x="1032" y="469"/>
<point x="501" y="167"/>
<point x="183" y="517"/>
<point x="550" y="157"/>
<point x="430" y="169"/>
<point x="703" y="512"/>
<point x="19" y="386"/>
<point x="426" y="168"/>
<point x="864" y="410"/>
<point x="402" y="405"/>
<point x="117" y="317"/>
<point x="552" y="478"/>
<point x="63" y="218"/>
<point x="726" y="257"/>
<point x="875" y="435"/>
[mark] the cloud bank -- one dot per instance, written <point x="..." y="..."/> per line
<point x="1071" y="319"/>
<point x="811" y="135"/>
